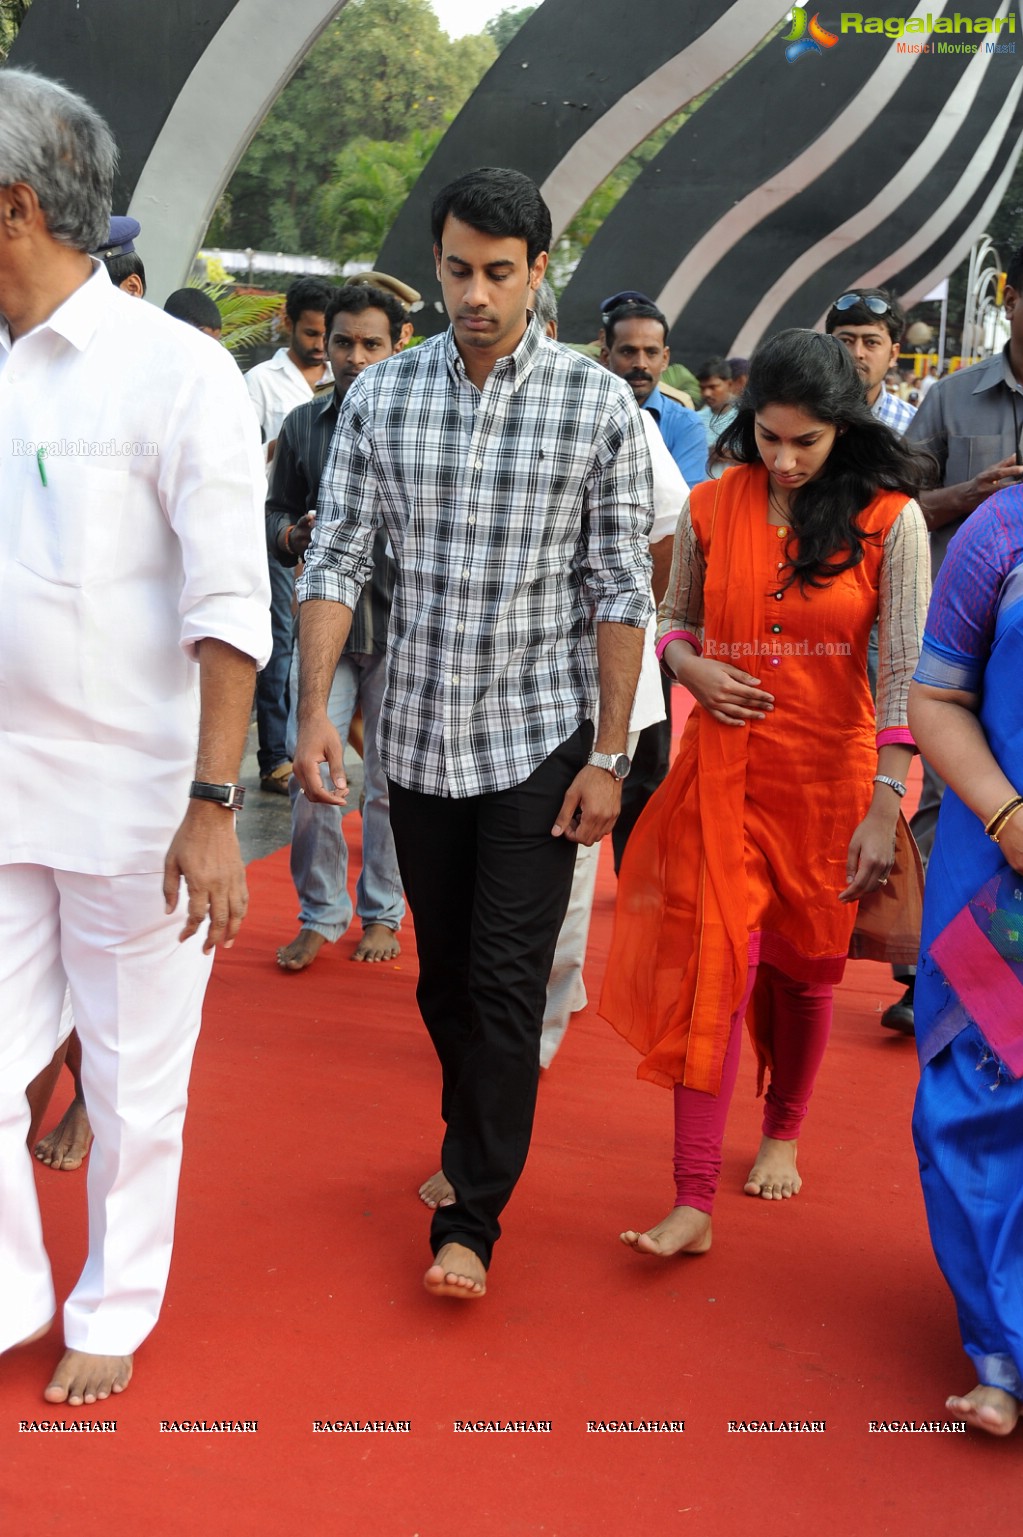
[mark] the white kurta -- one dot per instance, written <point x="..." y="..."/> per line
<point x="136" y="532"/>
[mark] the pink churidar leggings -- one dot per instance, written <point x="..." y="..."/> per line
<point x="800" y="1021"/>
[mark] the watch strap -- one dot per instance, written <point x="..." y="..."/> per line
<point x="230" y="796"/>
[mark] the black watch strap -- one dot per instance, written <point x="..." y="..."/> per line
<point x="231" y="797"/>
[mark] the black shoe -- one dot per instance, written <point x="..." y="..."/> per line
<point x="899" y="1016"/>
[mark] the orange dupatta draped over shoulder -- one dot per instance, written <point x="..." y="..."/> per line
<point x="752" y="820"/>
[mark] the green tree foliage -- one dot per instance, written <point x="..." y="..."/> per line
<point x="382" y="71"/>
<point x="503" y="27"/>
<point x="12" y="14"/>
<point x="370" y="181"/>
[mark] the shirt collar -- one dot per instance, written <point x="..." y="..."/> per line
<point x="77" y="318"/>
<point x="996" y="370"/>
<point x="518" y="363"/>
<point x="654" y="403"/>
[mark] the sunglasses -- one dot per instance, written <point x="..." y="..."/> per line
<point x="869" y="302"/>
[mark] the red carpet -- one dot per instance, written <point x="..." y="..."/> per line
<point x="295" y="1296"/>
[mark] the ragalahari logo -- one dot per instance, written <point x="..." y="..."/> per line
<point x="807" y="36"/>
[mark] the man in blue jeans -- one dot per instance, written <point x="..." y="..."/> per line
<point x="363" y="325"/>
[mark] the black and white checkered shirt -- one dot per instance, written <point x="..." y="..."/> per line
<point x="519" y="517"/>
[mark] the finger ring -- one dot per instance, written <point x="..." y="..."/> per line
<point x="883" y="881"/>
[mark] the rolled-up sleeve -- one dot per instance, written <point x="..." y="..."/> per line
<point x="339" y="560"/>
<point x="620" y="498"/>
<point x="212" y="486"/>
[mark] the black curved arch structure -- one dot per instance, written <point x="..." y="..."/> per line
<point x="184" y="85"/>
<point x="870" y="157"/>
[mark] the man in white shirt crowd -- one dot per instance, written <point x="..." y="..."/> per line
<point x="129" y="463"/>
<point x="289" y="379"/>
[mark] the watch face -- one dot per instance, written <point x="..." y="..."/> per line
<point x="622" y="766"/>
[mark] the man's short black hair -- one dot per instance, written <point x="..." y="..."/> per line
<point x="630" y="310"/>
<point x="127" y="265"/>
<point x="307" y="294"/>
<point x="496" y="202"/>
<point x="355" y="298"/>
<point x="714" y="368"/>
<point x="194" y="307"/>
<point x="893" y="318"/>
<point x="1014" y="271"/>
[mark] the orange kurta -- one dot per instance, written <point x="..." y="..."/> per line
<point x="741" y="854"/>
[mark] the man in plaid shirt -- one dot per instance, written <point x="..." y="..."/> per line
<point x="513" y="480"/>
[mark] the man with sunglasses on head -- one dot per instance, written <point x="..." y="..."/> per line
<point x="869" y="323"/>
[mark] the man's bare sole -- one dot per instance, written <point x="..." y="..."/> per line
<point x="987" y="1409"/>
<point x="456" y="1272"/>
<point x="378" y="943"/>
<point x="302" y="951"/>
<point x="685" y="1230"/>
<point x="81" y="1378"/>
<point x="67" y="1145"/>
<point x="437" y="1191"/>
<point x="774" y="1176"/>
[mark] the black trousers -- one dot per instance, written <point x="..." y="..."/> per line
<point x="649" y="770"/>
<point x="488" y="887"/>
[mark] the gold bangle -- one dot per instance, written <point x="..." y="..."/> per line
<point x="995" y="826"/>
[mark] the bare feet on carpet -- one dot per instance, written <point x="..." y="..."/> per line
<point x="685" y="1230"/>
<point x="987" y="1409"/>
<point x="456" y="1272"/>
<point x="437" y="1191"/>
<point x="302" y="951"/>
<point x="68" y="1144"/>
<point x="82" y="1379"/>
<point x="773" y="1176"/>
<point x="378" y="943"/>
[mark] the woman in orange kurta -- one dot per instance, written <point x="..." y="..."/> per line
<point x="739" y="889"/>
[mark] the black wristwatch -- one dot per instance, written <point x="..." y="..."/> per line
<point x="231" y="797"/>
<point x="616" y="763"/>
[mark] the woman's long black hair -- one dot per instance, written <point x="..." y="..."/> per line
<point x="815" y="373"/>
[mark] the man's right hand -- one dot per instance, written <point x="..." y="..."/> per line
<point x="301" y="536"/>
<point x="995" y="478"/>
<point x="318" y="743"/>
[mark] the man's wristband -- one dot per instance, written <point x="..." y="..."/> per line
<point x="286" y="541"/>
<point x="230" y="796"/>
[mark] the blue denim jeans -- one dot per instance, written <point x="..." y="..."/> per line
<point x="272" y="683"/>
<point x="319" y="855"/>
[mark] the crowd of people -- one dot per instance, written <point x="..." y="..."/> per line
<point x="482" y="526"/>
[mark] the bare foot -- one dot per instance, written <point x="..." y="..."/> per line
<point x="378" y="943"/>
<point x="773" y="1176"/>
<point x="66" y="1146"/>
<point x="302" y="951"/>
<point x="456" y="1272"/>
<point x="987" y="1409"/>
<point x="437" y="1191"/>
<point x="82" y="1379"/>
<point x="683" y="1231"/>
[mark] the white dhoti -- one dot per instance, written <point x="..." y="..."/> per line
<point x="136" y="994"/>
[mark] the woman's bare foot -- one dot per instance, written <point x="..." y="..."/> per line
<point x="68" y="1144"/>
<point x="987" y="1409"/>
<point x="378" y="943"/>
<point x="456" y="1272"/>
<point x="685" y="1230"/>
<point x="773" y="1176"/>
<point x="437" y="1191"/>
<point x="81" y="1378"/>
<point x="302" y="951"/>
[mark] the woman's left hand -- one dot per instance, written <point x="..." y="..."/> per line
<point x="871" y="856"/>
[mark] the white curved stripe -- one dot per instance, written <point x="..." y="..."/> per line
<point x="221" y="104"/>
<point x="652" y="101"/>
<point x="959" y="251"/>
<point x="704" y="256"/>
<point x="948" y="211"/>
<point x="881" y="207"/>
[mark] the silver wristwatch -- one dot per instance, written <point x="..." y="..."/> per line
<point x="616" y="763"/>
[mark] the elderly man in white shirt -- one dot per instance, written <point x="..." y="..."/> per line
<point x="132" y="550"/>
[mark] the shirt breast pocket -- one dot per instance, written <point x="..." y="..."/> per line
<point x="69" y="528"/>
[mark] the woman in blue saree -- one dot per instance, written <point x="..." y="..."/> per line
<point x="966" y="715"/>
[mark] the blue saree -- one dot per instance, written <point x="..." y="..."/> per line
<point x="968" y="1120"/>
